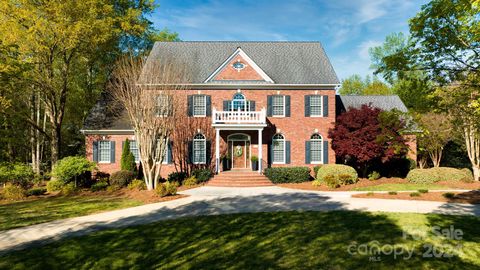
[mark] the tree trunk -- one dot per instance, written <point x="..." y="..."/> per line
<point x="55" y="144"/>
<point x="476" y="173"/>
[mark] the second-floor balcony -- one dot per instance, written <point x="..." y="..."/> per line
<point x="239" y="117"/>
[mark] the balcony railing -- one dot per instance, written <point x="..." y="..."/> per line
<point x="239" y="117"/>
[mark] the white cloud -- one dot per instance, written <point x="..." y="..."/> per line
<point x="371" y="9"/>
<point x="364" y="46"/>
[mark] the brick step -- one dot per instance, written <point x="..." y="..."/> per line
<point x="239" y="179"/>
<point x="240" y="185"/>
<point x="240" y="182"/>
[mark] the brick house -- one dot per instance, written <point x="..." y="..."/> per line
<point x="272" y="100"/>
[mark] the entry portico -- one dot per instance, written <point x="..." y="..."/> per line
<point x="238" y="121"/>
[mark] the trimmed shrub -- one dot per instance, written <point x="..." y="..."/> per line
<point x="374" y="176"/>
<point x="74" y="169"/>
<point x="101" y="185"/>
<point x="137" y="184"/>
<point x="392" y="193"/>
<point x="202" y="175"/>
<point x="177" y="177"/>
<point x="315" y="170"/>
<point x="190" y="181"/>
<point x="36" y="191"/>
<point x="19" y="174"/>
<point x="342" y="175"/>
<point x="166" y="189"/>
<point x="127" y="160"/>
<point x="423" y="190"/>
<point x="415" y="194"/>
<point x="121" y="178"/>
<point x="69" y="189"/>
<point x="432" y="175"/>
<point x="448" y="195"/>
<point x="13" y="192"/>
<point x="54" y="185"/>
<point x="316" y="183"/>
<point x="288" y="174"/>
<point x="468" y="175"/>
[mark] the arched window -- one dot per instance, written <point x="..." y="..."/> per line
<point x="238" y="102"/>
<point x="199" y="149"/>
<point x="316" y="148"/>
<point x="278" y="148"/>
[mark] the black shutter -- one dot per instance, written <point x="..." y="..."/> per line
<point x="226" y="104"/>
<point x="287" y="106"/>
<point x="287" y="152"/>
<point x="270" y="153"/>
<point x="325" y="152"/>
<point x="112" y="151"/>
<point x="269" y="105"/>
<point x="307" y="106"/>
<point x="190" y="105"/>
<point x="252" y="105"/>
<point x="307" y="152"/>
<point x="95" y="151"/>
<point x="208" y="154"/>
<point x="325" y="106"/>
<point x="190" y="152"/>
<point x="208" y="101"/>
<point x="169" y="152"/>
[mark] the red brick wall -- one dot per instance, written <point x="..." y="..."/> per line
<point x="230" y="73"/>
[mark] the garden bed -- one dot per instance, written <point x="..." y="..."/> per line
<point x="384" y="184"/>
<point x="471" y="197"/>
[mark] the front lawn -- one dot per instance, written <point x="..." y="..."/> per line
<point x="287" y="240"/>
<point x="24" y="213"/>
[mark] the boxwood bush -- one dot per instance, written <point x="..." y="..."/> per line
<point x="288" y="174"/>
<point x="335" y="175"/>
<point x="202" y="175"/>
<point x="121" y="178"/>
<point x="432" y="175"/>
<point x="177" y="177"/>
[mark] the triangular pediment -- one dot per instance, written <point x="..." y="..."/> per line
<point x="239" y="67"/>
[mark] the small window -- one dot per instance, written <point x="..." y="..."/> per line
<point x="316" y="104"/>
<point x="278" y="105"/>
<point x="164" y="106"/>
<point x="238" y="65"/>
<point x="134" y="150"/>
<point x="199" y="149"/>
<point x="316" y="149"/>
<point x="239" y="103"/>
<point x="199" y="105"/>
<point x="278" y="148"/>
<point x="104" y="151"/>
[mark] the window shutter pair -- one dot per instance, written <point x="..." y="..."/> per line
<point x="208" y="154"/>
<point x="208" y="105"/>
<point x="324" y="153"/>
<point x="270" y="106"/>
<point x="324" y="108"/>
<point x="287" y="153"/>
<point x="112" y="151"/>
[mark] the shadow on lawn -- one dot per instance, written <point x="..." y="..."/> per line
<point x="278" y="240"/>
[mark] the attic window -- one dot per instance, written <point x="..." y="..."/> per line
<point x="238" y="65"/>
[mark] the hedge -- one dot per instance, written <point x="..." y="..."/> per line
<point x="288" y="174"/>
<point x="121" y="178"/>
<point x="432" y="175"/>
<point x="337" y="170"/>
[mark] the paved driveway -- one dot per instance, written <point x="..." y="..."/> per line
<point x="218" y="200"/>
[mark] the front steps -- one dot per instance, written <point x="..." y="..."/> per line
<point x="239" y="178"/>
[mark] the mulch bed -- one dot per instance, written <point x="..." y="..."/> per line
<point x="363" y="182"/>
<point x="471" y="197"/>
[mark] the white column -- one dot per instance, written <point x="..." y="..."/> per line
<point x="217" y="150"/>
<point x="260" y="150"/>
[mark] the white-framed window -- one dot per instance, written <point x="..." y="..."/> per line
<point x="163" y="105"/>
<point x="165" y="150"/>
<point x="199" y="105"/>
<point x="316" y="105"/>
<point x="199" y="149"/>
<point x="278" y="148"/>
<point x="316" y="149"/>
<point x="134" y="150"/>
<point x="278" y="105"/>
<point x="104" y="151"/>
<point x="239" y="103"/>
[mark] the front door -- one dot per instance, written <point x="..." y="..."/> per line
<point x="239" y="154"/>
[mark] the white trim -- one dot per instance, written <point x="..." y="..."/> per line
<point x="99" y="153"/>
<point x="204" y="140"/>
<point x="248" y="161"/>
<point x="284" y="149"/>
<point x="284" y="107"/>
<point x="321" y="107"/>
<point x="321" y="147"/>
<point x="240" y="52"/>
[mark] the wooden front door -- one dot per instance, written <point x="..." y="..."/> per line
<point x="239" y="155"/>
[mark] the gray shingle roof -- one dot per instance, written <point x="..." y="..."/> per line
<point x="385" y="103"/>
<point x="283" y="62"/>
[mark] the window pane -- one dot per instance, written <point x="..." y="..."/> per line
<point x="316" y="105"/>
<point x="134" y="150"/>
<point x="199" y="105"/>
<point x="199" y="155"/>
<point x="278" y="106"/>
<point x="278" y="151"/>
<point x="104" y="151"/>
<point x="316" y="151"/>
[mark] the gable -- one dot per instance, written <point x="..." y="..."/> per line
<point x="239" y="67"/>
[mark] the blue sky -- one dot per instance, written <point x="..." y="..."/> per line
<point x="346" y="28"/>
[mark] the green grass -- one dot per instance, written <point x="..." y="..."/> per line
<point x="24" y="213"/>
<point x="286" y="240"/>
<point x="400" y="187"/>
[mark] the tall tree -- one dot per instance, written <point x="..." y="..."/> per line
<point x="437" y="133"/>
<point x="62" y="40"/>
<point x="381" y="56"/>
<point x="355" y="85"/>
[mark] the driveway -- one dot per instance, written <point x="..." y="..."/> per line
<point x="219" y="200"/>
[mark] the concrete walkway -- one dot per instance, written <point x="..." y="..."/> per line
<point x="220" y="200"/>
